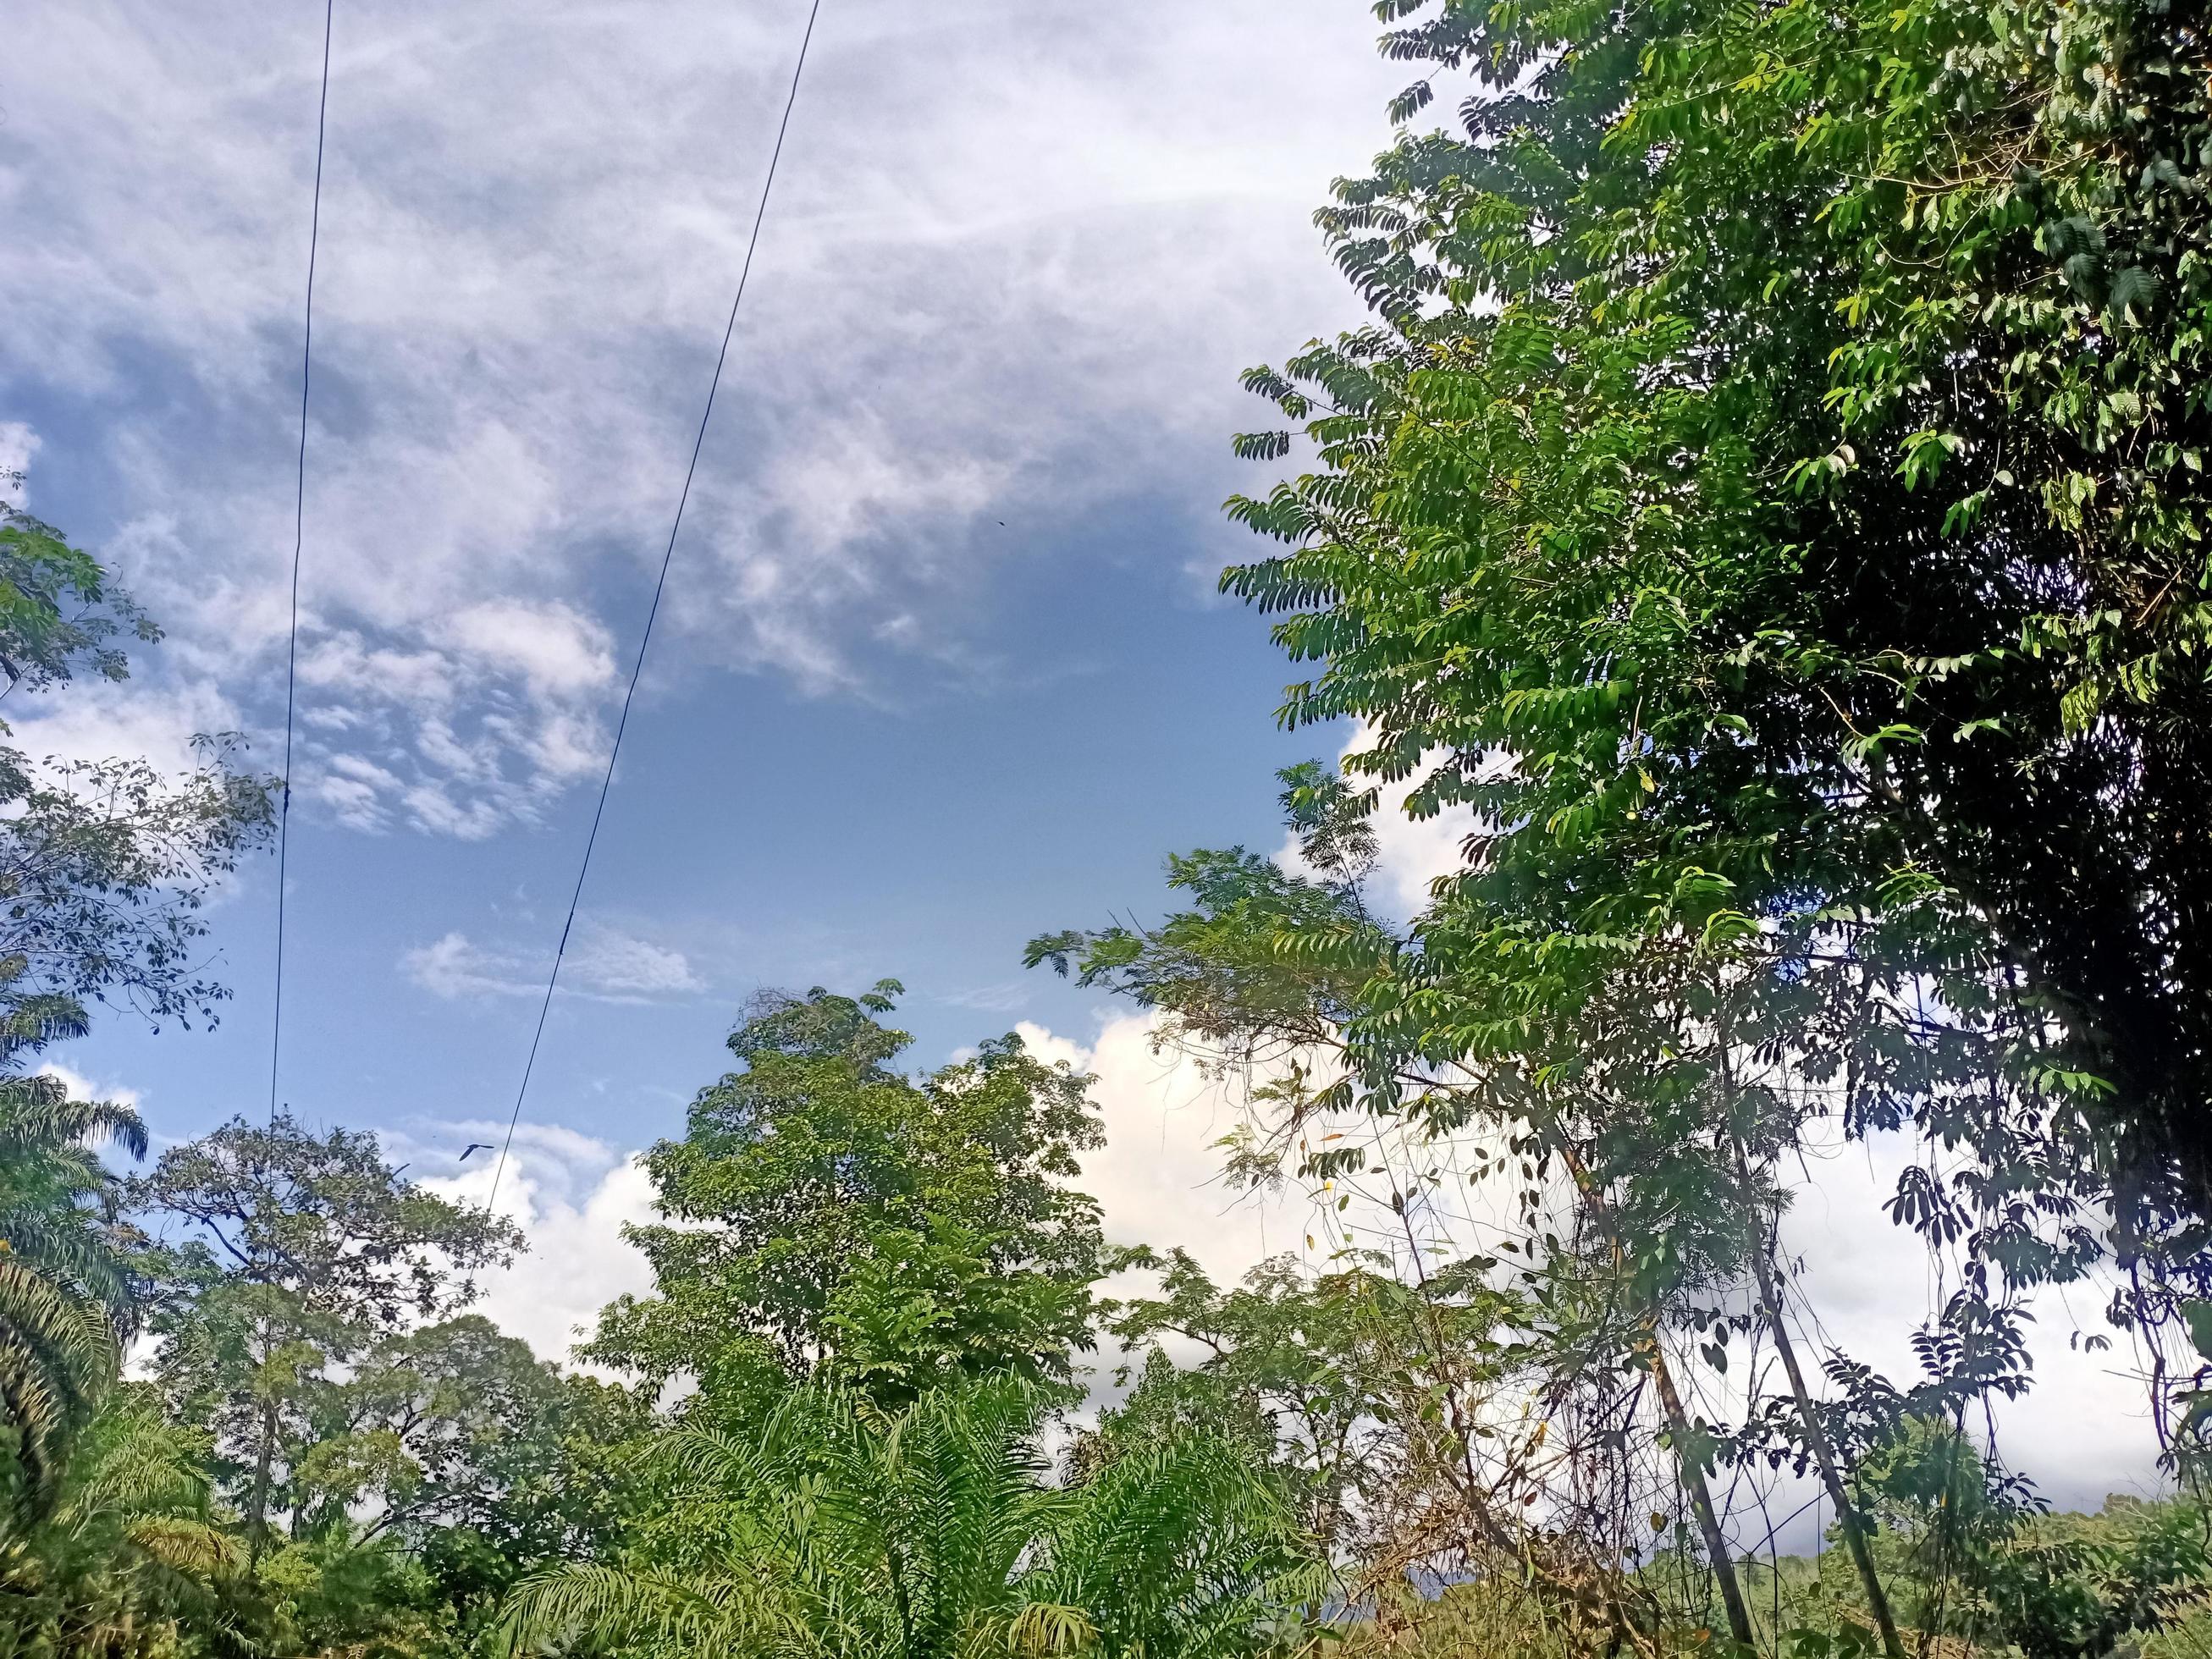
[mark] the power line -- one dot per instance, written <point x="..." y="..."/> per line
<point x="298" y="540"/>
<point x="652" y="612"/>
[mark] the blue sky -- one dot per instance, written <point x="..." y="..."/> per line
<point x="941" y="666"/>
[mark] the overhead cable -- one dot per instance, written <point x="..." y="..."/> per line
<point x="652" y="612"/>
<point x="299" y="541"/>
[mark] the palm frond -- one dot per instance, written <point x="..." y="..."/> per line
<point x="846" y="1530"/>
<point x="591" y="1606"/>
<point x="186" y="1544"/>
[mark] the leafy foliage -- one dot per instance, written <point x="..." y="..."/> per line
<point x="104" y="865"/>
<point x="131" y="1548"/>
<point x="930" y="1531"/>
<point x="824" y="1209"/>
<point x="66" y="1302"/>
<point x="1771" y="496"/>
<point x="299" y="1252"/>
<point x="58" y="609"/>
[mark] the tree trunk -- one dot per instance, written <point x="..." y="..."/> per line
<point x="1701" y="1496"/>
<point x="1678" y="1418"/>
<point x="257" y="1510"/>
<point x="1816" y="1435"/>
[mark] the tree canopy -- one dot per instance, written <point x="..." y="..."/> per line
<point x="824" y="1208"/>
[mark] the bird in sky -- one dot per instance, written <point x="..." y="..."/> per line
<point x="473" y="1146"/>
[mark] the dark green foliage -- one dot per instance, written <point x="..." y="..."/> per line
<point x="131" y="1547"/>
<point x="1772" y="496"/>
<point x="1981" y="1558"/>
<point x="65" y="1302"/>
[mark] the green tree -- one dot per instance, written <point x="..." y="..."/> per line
<point x="1321" y="1363"/>
<point x="456" y="1442"/>
<point x="65" y="1300"/>
<point x="294" y="1252"/>
<point x="1771" y="494"/>
<point x="59" y="612"/>
<point x="105" y="865"/>
<point x="1769" y="497"/>
<point x="1270" y="975"/>
<point x="104" y="868"/>
<point x="932" y="1532"/>
<point x="132" y="1553"/>
<point x="824" y="1211"/>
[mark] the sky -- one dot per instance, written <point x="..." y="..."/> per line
<point x="941" y="663"/>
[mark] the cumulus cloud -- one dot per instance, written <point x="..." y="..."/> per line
<point x="571" y="1195"/>
<point x="1158" y="1177"/>
<point x="1865" y="1284"/>
<point x="602" y="962"/>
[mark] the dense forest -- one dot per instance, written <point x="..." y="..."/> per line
<point x="1768" y="500"/>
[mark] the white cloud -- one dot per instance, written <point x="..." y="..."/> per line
<point x="18" y="443"/>
<point x="2084" y="1429"/>
<point x="2080" y="1432"/>
<point x="453" y="968"/>
<point x="1001" y="998"/>
<point x="101" y="720"/>
<point x="460" y="736"/>
<point x="81" y="1087"/>
<point x="1018" y="304"/>
<point x="602" y="962"/>
<point x="558" y="650"/>
<point x="570" y="1195"/>
<point x="615" y="965"/>
<point x="1158" y="1177"/>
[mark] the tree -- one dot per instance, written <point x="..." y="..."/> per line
<point x="298" y="1252"/>
<point x="824" y="1211"/>
<point x="59" y="612"/>
<point x="930" y="1532"/>
<point x="105" y="868"/>
<point x="1771" y="495"/>
<point x="1270" y="973"/>
<point x="65" y="1301"/>
<point x="105" y="865"/>
<point x="457" y="1442"/>
<point x="132" y="1550"/>
<point x="1310" y="1361"/>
